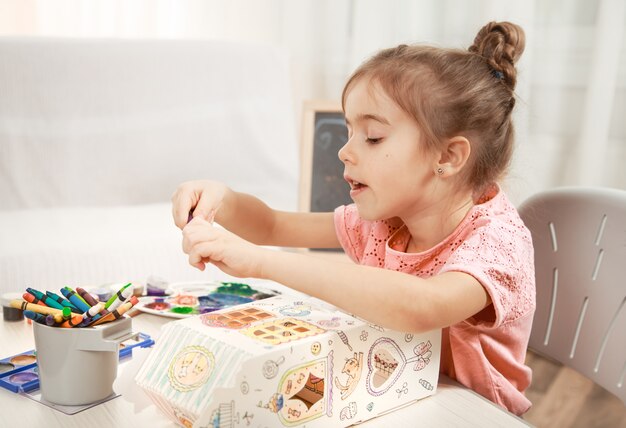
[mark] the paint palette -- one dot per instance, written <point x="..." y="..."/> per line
<point x="19" y="372"/>
<point x="194" y="298"/>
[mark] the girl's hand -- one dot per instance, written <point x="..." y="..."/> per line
<point x="204" y="197"/>
<point x="235" y="256"/>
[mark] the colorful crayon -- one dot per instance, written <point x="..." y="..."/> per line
<point x="50" y="320"/>
<point x="77" y="295"/>
<point x="75" y="299"/>
<point x="87" y="321"/>
<point x="125" y="307"/>
<point x="63" y="302"/>
<point x="32" y="299"/>
<point x="40" y="318"/>
<point x="86" y="296"/>
<point x="45" y="299"/>
<point x="118" y="298"/>
<point x="95" y="310"/>
<point x="93" y="314"/>
<point x="117" y="313"/>
<point x="72" y="322"/>
<point x="107" y="318"/>
<point x="67" y="313"/>
<point x="25" y="306"/>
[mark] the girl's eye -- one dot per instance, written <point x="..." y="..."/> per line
<point x="373" y="140"/>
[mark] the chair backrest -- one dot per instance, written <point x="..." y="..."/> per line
<point x="579" y="236"/>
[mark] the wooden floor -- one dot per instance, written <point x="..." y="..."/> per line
<point x="563" y="398"/>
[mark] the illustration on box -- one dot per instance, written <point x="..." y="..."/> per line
<point x="286" y="361"/>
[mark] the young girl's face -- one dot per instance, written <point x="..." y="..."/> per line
<point x="389" y="172"/>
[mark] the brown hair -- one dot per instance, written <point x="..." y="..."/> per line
<point x="452" y="92"/>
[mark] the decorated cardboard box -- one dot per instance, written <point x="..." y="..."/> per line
<point x="284" y="361"/>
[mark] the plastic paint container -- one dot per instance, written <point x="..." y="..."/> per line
<point x="9" y="313"/>
<point x="103" y="294"/>
<point x="78" y="366"/>
<point x="138" y="289"/>
<point x="156" y="287"/>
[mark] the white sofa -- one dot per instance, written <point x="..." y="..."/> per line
<point x="95" y="135"/>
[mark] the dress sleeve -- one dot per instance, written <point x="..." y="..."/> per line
<point x="502" y="260"/>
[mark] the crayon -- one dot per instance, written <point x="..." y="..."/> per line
<point x="32" y="299"/>
<point x="67" y="313"/>
<point x="63" y="302"/>
<point x="77" y="295"/>
<point x="118" y="298"/>
<point x="107" y="318"/>
<point x="117" y="313"/>
<point x="86" y="296"/>
<point x="88" y="321"/>
<point x="95" y="310"/>
<point x="124" y="307"/>
<point x="25" y="306"/>
<point x="72" y="322"/>
<point x="50" y="320"/>
<point x="93" y="314"/>
<point x="75" y="299"/>
<point x="45" y="299"/>
<point x="40" y="318"/>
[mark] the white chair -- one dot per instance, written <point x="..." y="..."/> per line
<point x="579" y="236"/>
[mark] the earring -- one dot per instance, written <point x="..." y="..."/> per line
<point x="439" y="171"/>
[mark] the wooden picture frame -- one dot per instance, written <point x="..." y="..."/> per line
<point x="322" y="187"/>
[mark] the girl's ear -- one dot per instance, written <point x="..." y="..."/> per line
<point x="454" y="155"/>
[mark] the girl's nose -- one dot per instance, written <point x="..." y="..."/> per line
<point x="345" y="153"/>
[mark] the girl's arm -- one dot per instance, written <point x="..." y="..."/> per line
<point x="389" y="298"/>
<point x="250" y="218"/>
<point x="392" y="299"/>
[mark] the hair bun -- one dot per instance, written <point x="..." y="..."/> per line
<point x="501" y="44"/>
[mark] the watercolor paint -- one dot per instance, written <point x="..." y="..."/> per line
<point x="6" y="367"/>
<point x="194" y="298"/>
<point x="18" y="373"/>
<point x="23" y="377"/>
<point x="23" y="360"/>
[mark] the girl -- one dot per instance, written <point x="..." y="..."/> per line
<point x="436" y="242"/>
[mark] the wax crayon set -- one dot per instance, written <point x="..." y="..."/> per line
<point x="75" y="308"/>
<point x="19" y="373"/>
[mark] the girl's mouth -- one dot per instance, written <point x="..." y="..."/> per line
<point x="355" y="185"/>
<point x="356" y="188"/>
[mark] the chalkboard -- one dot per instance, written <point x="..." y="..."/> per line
<point x="322" y="187"/>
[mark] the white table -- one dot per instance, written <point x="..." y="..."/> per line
<point x="453" y="405"/>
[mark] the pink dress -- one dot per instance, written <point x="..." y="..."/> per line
<point x="485" y="353"/>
